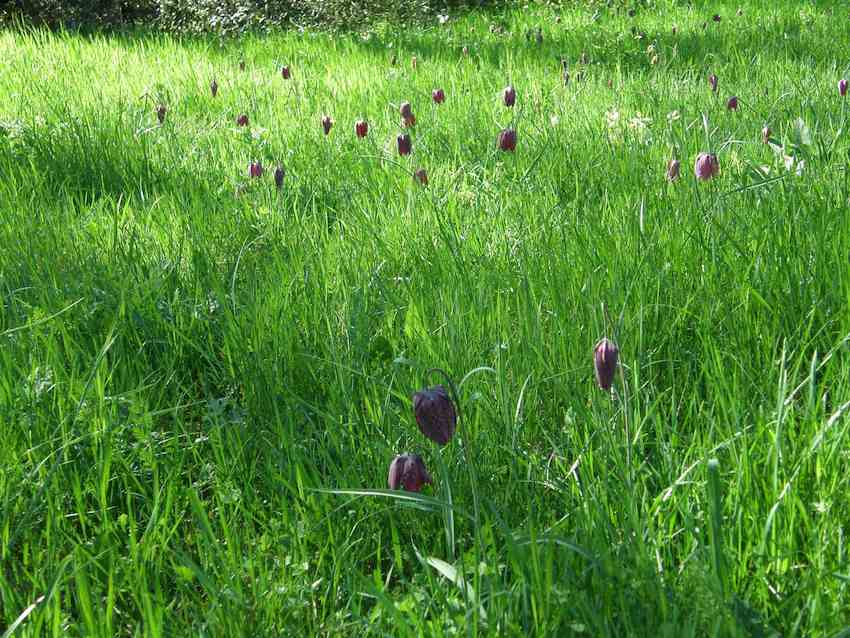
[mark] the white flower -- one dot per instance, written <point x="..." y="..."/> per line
<point x="613" y="118"/>
<point x="639" y="122"/>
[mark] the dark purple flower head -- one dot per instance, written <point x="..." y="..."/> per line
<point x="509" y="95"/>
<point x="214" y="88"/>
<point x="160" y="113"/>
<point x="408" y="471"/>
<point x="842" y="87"/>
<point x="706" y="166"/>
<point x="255" y="169"/>
<point x="435" y="414"/>
<point x="361" y="128"/>
<point x="242" y="120"/>
<point x="712" y="82"/>
<point x="673" y="170"/>
<point x="605" y="356"/>
<point x="404" y="144"/>
<point x="732" y="103"/>
<point x="405" y="109"/>
<point x="716" y="17"/>
<point x="507" y="140"/>
<point x="438" y="96"/>
<point x="284" y="72"/>
<point x="327" y="123"/>
<point x="421" y="176"/>
<point x="279" y="174"/>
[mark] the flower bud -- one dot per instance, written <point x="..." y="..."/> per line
<point x="732" y="103"/>
<point x="712" y="82"/>
<point x="160" y="113"/>
<point x="435" y="414"/>
<point x="405" y="110"/>
<point x="421" y="176"/>
<point x="672" y="170"/>
<point x="284" y="72"/>
<point x="241" y="65"/>
<point x="408" y="471"/>
<point x="438" y="96"/>
<point x="404" y="144"/>
<point x="509" y="95"/>
<point x="842" y="87"/>
<point x="605" y="355"/>
<point x="361" y="128"/>
<point x="214" y="88"/>
<point x="327" y="123"/>
<point x="465" y="50"/>
<point x="279" y="174"/>
<point x="706" y="166"/>
<point x="507" y="140"/>
<point x="255" y="169"/>
<point x="716" y="17"/>
<point x="242" y="120"/>
<point x="765" y="134"/>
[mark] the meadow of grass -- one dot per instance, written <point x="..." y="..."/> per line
<point x="202" y="377"/>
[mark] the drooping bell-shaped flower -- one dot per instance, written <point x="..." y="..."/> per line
<point x="327" y="123"/>
<point x="435" y="414"/>
<point x="404" y="144"/>
<point x="405" y="109"/>
<point x="438" y="96"/>
<point x="605" y="355"/>
<point x="842" y="87"/>
<point x="507" y="140"/>
<point x="361" y="128"/>
<point x="732" y="103"/>
<point x="242" y="120"/>
<point x="408" y="471"/>
<point x="160" y="113"/>
<point x="284" y="72"/>
<point x="279" y="174"/>
<point x="509" y="95"/>
<point x="673" y="170"/>
<point x="706" y="166"/>
<point x="712" y="82"/>
<point x="421" y="176"/>
<point x="255" y="169"/>
<point x="214" y="88"/>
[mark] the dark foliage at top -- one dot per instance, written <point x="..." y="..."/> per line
<point x="221" y="16"/>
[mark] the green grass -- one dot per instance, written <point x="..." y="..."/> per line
<point x="196" y="367"/>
